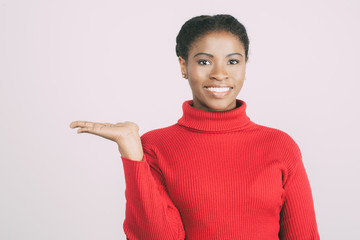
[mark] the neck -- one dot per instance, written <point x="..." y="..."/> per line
<point x="215" y="108"/>
<point x="214" y="121"/>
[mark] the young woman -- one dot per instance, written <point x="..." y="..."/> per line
<point x="214" y="174"/>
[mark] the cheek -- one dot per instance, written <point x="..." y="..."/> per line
<point x="199" y="72"/>
<point x="237" y="74"/>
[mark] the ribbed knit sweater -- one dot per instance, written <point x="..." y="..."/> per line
<point x="218" y="175"/>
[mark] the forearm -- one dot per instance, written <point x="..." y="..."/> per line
<point x="150" y="214"/>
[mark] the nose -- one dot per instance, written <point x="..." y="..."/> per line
<point x="219" y="73"/>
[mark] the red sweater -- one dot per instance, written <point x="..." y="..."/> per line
<point x="218" y="175"/>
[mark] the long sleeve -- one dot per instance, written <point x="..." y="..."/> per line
<point x="218" y="175"/>
<point x="297" y="218"/>
<point x="150" y="213"/>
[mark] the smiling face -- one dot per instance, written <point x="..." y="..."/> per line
<point x="215" y="69"/>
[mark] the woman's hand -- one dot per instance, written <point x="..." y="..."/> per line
<point x="125" y="134"/>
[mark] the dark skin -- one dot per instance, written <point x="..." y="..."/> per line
<point x="215" y="60"/>
<point x="215" y="69"/>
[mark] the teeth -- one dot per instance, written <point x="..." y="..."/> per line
<point x="221" y="89"/>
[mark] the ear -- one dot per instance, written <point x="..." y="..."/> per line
<point x="182" y="62"/>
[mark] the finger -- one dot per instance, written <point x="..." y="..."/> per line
<point x="81" y="124"/>
<point x="73" y="124"/>
<point x="81" y="130"/>
<point x="76" y="124"/>
<point x="85" y="130"/>
<point x="94" y="128"/>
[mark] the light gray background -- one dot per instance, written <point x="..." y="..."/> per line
<point x="111" y="61"/>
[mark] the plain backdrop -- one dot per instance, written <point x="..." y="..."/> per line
<point x="112" y="61"/>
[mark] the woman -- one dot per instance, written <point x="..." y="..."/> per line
<point x="214" y="174"/>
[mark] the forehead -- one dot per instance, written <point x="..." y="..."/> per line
<point x="217" y="42"/>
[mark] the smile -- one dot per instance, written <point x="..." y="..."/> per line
<point x="218" y="92"/>
<point x="218" y="89"/>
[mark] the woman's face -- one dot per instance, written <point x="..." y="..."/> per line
<point x="215" y="69"/>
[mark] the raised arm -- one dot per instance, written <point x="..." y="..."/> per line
<point x="150" y="213"/>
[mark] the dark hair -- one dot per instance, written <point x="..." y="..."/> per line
<point x="197" y="27"/>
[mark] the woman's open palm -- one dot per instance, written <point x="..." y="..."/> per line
<point x="125" y="134"/>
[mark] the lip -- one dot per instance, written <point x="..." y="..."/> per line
<point x="218" y="86"/>
<point x="218" y="95"/>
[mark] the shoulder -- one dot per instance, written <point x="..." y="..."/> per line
<point x="276" y="136"/>
<point x="281" y="145"/>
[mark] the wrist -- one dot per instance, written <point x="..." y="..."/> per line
<point x="132" y="155"/>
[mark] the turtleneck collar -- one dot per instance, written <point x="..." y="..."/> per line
<point x="206" y="121"/>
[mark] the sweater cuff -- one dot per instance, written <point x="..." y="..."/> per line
<point x="135" y="172"/>
<point x="133" y="161"/>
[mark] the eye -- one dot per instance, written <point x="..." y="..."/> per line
<point x="233" y="61"/>
<point x="203" y="62"/>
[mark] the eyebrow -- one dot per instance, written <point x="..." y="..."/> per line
<point x="210" y="55"/>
